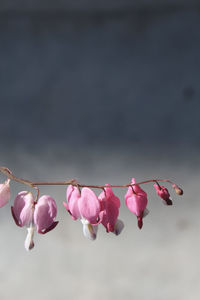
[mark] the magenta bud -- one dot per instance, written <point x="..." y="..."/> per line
<point x="4" y="192"/>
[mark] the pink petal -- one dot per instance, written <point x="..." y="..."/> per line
<point x="73" y="197"/>
<point x="137" y="188"/>
<point x="4" y="192"/>
<point x="110" y="205"/>
<point x="110" y="217"/>
<point x="137" y="203"/>
<point x="110" y="195"/>
<point x="89" y="206"/>
<point x="45" y="213"/>
<point x="51" y="227"/>
<point x="162" y="191"/>
<point x="15" y="218"/>
<point x="23" y="208"/>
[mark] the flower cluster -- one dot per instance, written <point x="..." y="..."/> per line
<point x="39" y="213"/>
<point x="93" y="210"/>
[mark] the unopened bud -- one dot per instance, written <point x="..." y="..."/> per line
<point x="178" y="190"/>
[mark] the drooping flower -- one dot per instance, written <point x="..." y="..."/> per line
<point x="4" y="192"/>
<point x="110" y="205"/>
<point x="136" y="201"/>
<point x="86" y="207"/>
<point x="34" y="215"/>
<point x="163" y="193"/>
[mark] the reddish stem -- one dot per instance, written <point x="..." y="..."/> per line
<point x="73" y="182"/>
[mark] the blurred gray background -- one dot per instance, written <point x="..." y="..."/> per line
<point x="102" y="91"/>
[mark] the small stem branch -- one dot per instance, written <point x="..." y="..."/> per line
<point x="123" y="185"/>
<point x="9" y="174"/>
<point x="54" y="183"/>
<point x="73" y="182"/>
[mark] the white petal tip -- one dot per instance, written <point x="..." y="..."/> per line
<point x="119" y="226"/>
<point x="29" y="244"/>
<point x="29" y="247"/>
<point x="90" y="231"/>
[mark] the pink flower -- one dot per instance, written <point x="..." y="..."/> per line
<point x="4" y="192"/>
<point x="86" y="207"/>
<point x="40" y="215"/>
<point x="136" y="201"/>
<point x="163" y="193"/>
<point x="110" y="205"/>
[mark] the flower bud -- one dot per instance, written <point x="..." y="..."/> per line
<point x="178" y="190"/>
<point x="4" y="192"/>
<point x="163" y="193"/>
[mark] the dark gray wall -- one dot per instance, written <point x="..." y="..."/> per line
<point x="128" y="78"/>
<point x="91" y="5"/>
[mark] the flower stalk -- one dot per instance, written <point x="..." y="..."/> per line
<point x="74" y="182"/>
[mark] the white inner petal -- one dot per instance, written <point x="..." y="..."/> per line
<point x="90" y="231"/>
<point x="84" y="221"/>
<point x="29" y="244"/>
<point x="119" y="225"/>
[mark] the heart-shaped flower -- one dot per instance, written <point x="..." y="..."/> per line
<point x="85" y="206"/>
<point x="40" y="215"/>
<point x="136" y="201"/>
<point x="110" y="205"/>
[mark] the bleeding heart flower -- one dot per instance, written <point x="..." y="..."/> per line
<point x="136" y="201"/>
<point x="163" y="193"/>
<point x="110" y="205"/>
<point x="86" y="207"/>
<point x="40" y="215"/>
<point x="4" y="192"/>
